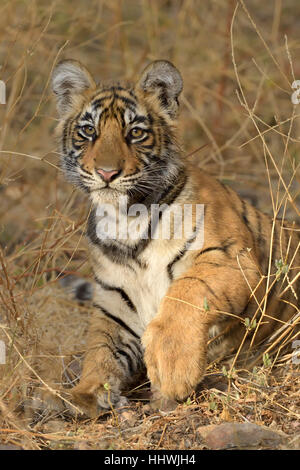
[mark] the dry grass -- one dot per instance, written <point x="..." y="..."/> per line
<point x="238" y="65"/>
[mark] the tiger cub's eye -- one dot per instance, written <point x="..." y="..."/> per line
<point x="89" y="130"/>
<point x="136" y="133"/>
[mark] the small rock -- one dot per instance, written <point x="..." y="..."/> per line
<point x="239" y="435"/>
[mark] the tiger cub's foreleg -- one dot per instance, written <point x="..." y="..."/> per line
<point x="176" y="339"/>
<point x="112" y="361"/>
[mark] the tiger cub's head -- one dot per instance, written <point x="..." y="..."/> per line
<point x="119" y="139"/>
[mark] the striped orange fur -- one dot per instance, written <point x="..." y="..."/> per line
<point x="159" y="303"/>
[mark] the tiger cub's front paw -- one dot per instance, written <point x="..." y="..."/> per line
<point x="175" y="357"/>
<point x="81" y="401"/>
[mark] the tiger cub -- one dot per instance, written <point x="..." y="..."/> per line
<point x="180" y="261"/>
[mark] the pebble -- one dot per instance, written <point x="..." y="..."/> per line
<point x="239" y="436"/>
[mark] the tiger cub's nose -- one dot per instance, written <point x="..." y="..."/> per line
<point x="108" y="174"/>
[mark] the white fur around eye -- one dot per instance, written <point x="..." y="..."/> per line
<point x="128" y="116"/>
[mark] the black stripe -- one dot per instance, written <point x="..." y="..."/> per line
<point x="227" y="266"/>
<point x="64" y="137"/>
<point x="271" y="293"/>
<point x="139" y="119"/>
<point x="229" y="303"/>
<point x="172" y="192"/>
<point x="120" y="291"/>
<point x="167" y="198"/>
<point x="87" y="117"/>
<point x="100" y="332"/>
<point x="105" y="345"/>
<point x="87" y="173"/>
<point x="246" y="220"/>
<point x="146" y="146"/>
<point x="199" y="280"/>
<point x="168" y="194"/>
<point x="136" y="353"/>
<point x="216" y="265"/>
<point x="211" y="248"/>
<point x="66" y="132"/>
<point x="225" y="187"/>
<point x="120" y="252"/>
<point x="260" y="241"/>
<point x="224" y="248"/>
<point x="246" y="308"/>
<point x="115" y="250"/>
<point x="131" y="92"/>
<point x="181" y="253"/>
<point x="244" y="212"/>
<point x="275" y="242"/>
<point x="128" y="359"/>
<point x="117" y="320"/>
<point x="127" y="101"/>
<point x="97" y="103"/>
<point x="171" y="264"/>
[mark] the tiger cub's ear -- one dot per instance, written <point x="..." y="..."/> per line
<point x="70" y="79"/>
<point x="163" y="79"/>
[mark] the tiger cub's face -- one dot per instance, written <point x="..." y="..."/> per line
<point x="119" y="139"/>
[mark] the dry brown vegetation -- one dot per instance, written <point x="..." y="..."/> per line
<point x="238" y="60"/>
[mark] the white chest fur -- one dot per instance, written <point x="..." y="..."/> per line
<point x="143" y="276"/>
<point x="145" y="282"/>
